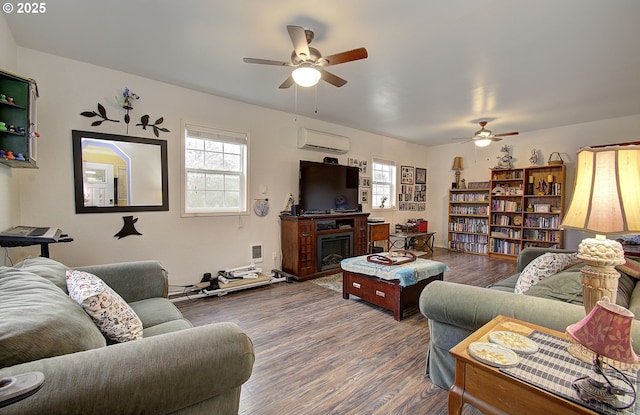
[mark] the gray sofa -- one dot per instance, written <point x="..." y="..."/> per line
<point x="455" y="310"/>
<point x="174" y="368"/>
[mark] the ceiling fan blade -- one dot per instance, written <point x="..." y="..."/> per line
<point x="494" y="139"/>
<point x="506" y="134"/>
<point x="331" y="78"/>
<point x="266" y="62"/>
<point x="352" y="55"/>
<point x="299" y="40"/>
<point x="287" y="83"/>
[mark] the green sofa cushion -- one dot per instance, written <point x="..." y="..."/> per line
<point x="566" y="286"/>
<point x="154" y="311"/>
<point x="47" y="268"/>
<point x="38" y="320"/>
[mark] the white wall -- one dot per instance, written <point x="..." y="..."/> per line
<point x="9" y="202"/>
<point x="477" y="161"/>
<point x="187" y="247"/>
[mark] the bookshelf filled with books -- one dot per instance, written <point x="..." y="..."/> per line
<point x="468" y="226"/>
<point x="526" y="209"/>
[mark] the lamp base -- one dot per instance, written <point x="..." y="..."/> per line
<point x="590" y="389"/>
<point x="599" y="276"/>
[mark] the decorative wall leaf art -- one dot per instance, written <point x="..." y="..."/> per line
<point x="102" y="113"/>
<point x="127" y="105"/>
<point x="128" y="228"/>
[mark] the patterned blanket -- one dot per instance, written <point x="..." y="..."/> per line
<point x="408" y="273"/>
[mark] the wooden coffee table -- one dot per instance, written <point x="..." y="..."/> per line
<point x="494" y="392"/>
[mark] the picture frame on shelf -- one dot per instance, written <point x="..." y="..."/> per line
<point x="542" y="208"/>
<point x="478" y="185"/>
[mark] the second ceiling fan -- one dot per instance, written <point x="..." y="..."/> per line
<point x="309" y="62"/>
<point x="483" y="137"/>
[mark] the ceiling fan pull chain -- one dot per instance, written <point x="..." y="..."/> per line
<point x="316" y="98"/>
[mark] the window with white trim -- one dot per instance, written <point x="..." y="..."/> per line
<point x="383" y="184"/>
<point x="215" y="171"/>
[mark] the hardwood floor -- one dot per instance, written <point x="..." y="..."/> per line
<point x="317" y="353"/>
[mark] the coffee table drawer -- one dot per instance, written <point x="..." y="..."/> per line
<point x="372" y="290"/>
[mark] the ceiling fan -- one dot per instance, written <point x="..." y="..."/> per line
<point x="309" y="62"/>
<point x="483" y="137"/>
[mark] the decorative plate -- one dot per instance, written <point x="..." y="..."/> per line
<point x="493" y="354"/>
<point x="517" y="220"/>
<point x="261" y="207"/>
<point x="514" y="341"/>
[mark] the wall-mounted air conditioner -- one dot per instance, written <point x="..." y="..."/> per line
<point x="321" y="141"/>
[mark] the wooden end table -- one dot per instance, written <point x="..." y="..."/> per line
<point x="494" y="392"/>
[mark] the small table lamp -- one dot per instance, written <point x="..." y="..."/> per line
<point x="605" y="202"/>
<point x="457" y="167"/>
<point x="603" y="336"/>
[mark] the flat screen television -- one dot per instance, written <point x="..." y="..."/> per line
<point x="328" y="188"/>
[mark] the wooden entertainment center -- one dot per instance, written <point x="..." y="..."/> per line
<point x="302" y="235"/>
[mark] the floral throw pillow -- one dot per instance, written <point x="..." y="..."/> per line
<point x="542" y="267"/>
<point x="113" y="316"/>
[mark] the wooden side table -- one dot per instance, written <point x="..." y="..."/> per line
<point x="377" y="232"/>
<point x="496" y="393"/>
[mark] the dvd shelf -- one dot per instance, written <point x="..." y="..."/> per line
<point x="468" y="226"/>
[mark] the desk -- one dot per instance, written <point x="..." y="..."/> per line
<point x="494" y="392"/>
<point x="21" y="236"/>
<point x="418" y="240"/>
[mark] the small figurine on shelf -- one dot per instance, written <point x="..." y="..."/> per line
<point x="463" y="184"/>
<point x="3" y="98"/>
<point x="3" y="154"/>
<point x="20" y="157"/>
<point x="3" y="126"/>
<point x="542" y="186"/>
<point x="505" y="160"/>
<point x="9" y="155"/>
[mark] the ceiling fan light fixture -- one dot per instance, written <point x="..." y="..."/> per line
<point x="306" y="76"/>
<point x="483" y="142"/>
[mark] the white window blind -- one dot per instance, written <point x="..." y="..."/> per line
<point x="215" y="171"/>
<point x="383" y="184"/>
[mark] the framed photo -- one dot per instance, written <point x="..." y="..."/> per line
<point x="421" y="176"/>
<point x="406" y="174"/>
<point x="542" y="208"/>
<point x="364" y="196"/>
<point x="365" y="181"/>
<point x="361" y="164"/>
<point x="478" y="185"/>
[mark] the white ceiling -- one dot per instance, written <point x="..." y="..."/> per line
<point x="435" y="67"/>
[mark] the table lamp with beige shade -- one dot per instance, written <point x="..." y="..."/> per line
<point x="457" y="167"/>
<point x="606" y="201"/>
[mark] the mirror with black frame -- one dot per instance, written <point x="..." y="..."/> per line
<point x="118" y="173"/>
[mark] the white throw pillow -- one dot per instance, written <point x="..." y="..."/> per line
<point x="113" y="316"/>
<point x="542" y="267"/>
